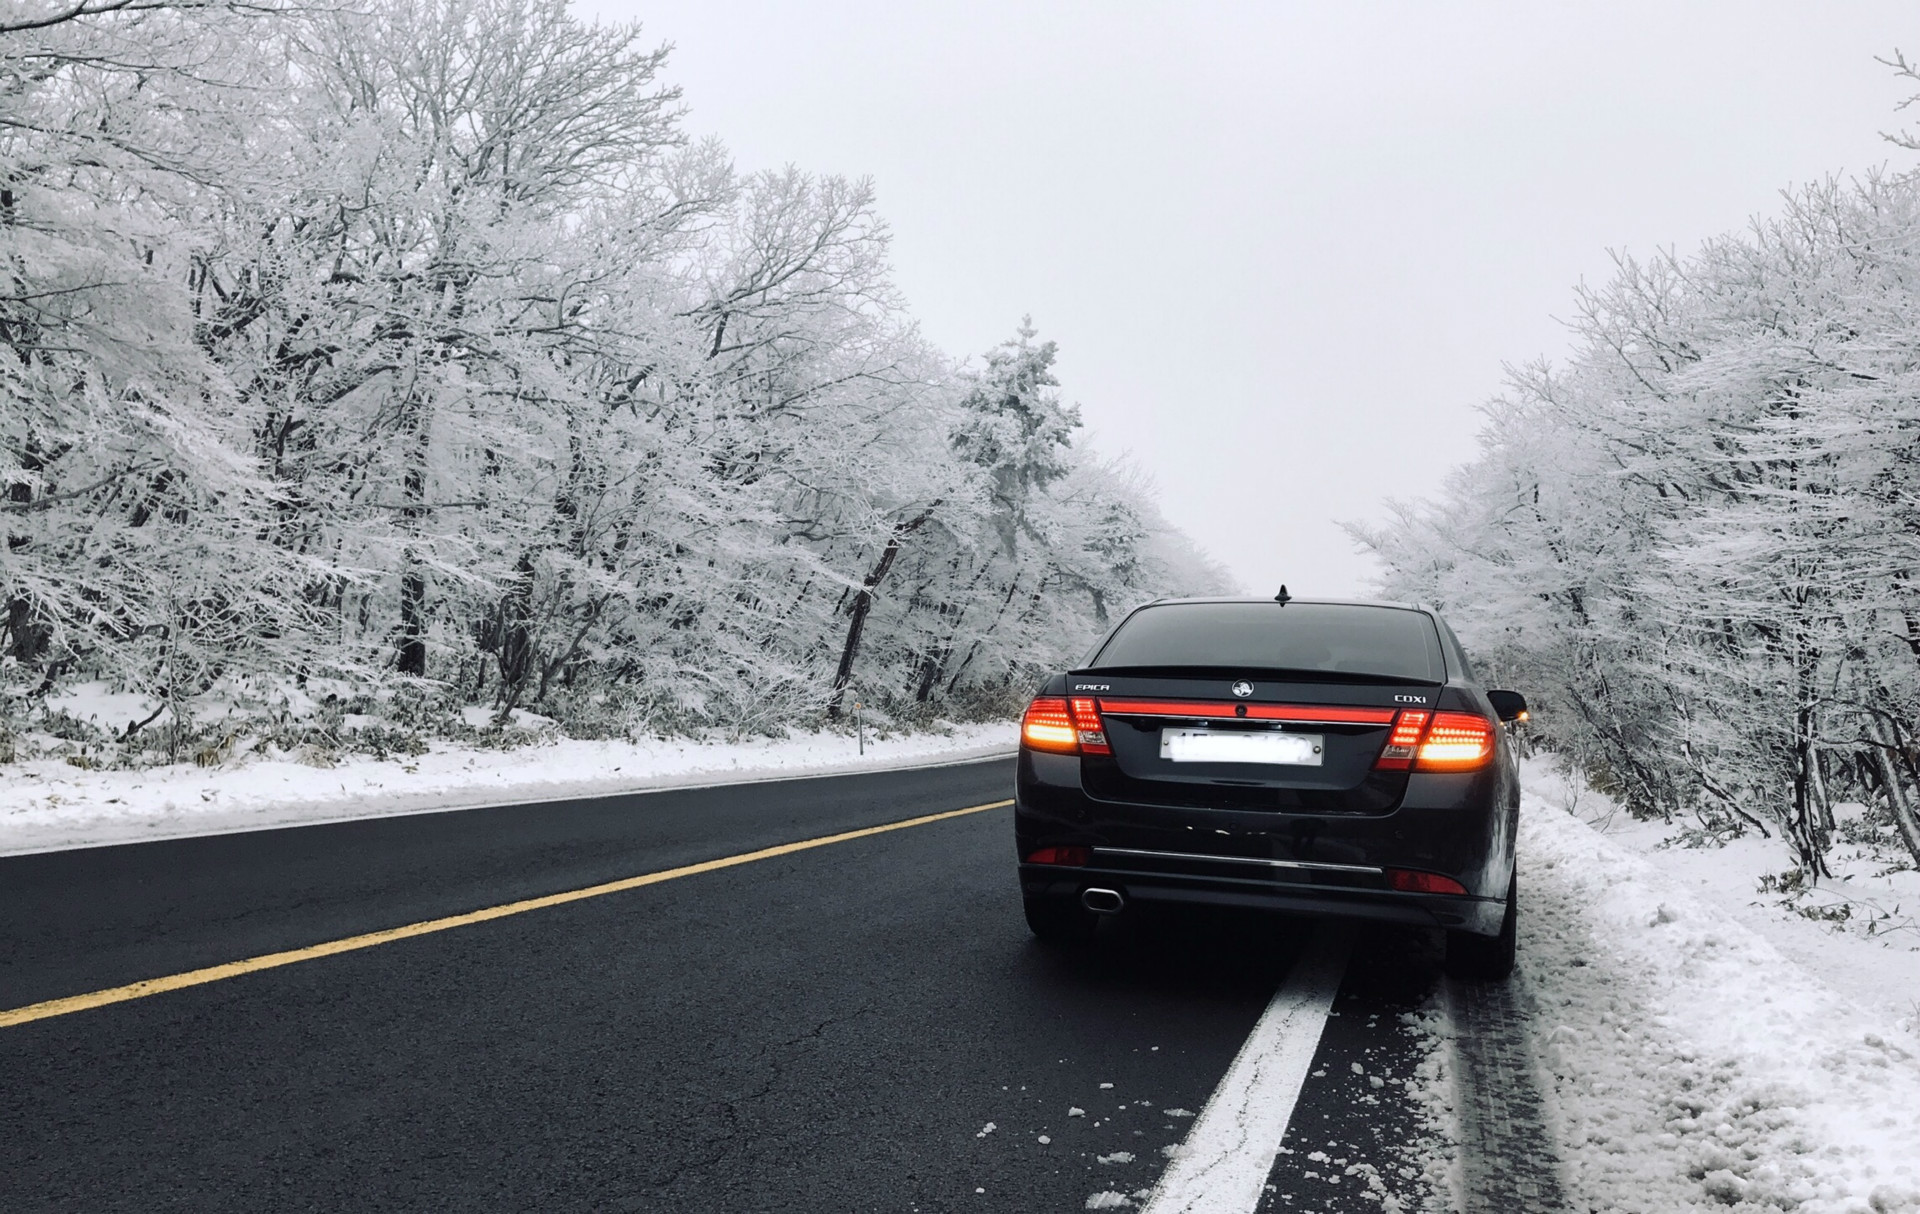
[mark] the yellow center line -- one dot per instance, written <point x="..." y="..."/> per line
<point x="267" y="961"/>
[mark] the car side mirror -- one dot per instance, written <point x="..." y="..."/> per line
<point x="1511" y="705"/>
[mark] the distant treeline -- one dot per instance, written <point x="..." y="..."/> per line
<point x="398" y="344"/>
<point x="1697" y="544"/>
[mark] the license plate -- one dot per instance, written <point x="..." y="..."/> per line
<point x="1241" y="746"/>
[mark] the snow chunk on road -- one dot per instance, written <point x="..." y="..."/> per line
<point x="1108" y="1200"/>
<point x="1693" y="1066"/>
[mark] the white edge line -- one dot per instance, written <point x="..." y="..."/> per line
<point x="1223" y="1165"/>
<point x="694" y="782"/>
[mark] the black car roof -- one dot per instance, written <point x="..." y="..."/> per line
<point x="1290" y="602"/>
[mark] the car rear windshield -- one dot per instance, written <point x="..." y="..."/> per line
<point x="1382" y="642"/>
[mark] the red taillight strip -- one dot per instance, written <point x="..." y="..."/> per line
<point x="1310" y="714"/>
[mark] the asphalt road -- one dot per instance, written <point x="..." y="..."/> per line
<point x="831" y="1030"/>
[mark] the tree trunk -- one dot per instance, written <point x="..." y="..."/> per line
<point x="1807" y="829"/>
<point x="863" y="603"/>
<point x="413" y="581"/>
<point x="515" y="652"/>
<point x="1905" y="820"/>
<point x="934" y="666"/>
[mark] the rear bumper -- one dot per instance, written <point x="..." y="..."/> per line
<point x="1478" y="915"/>
<point x="1459" y="826"/>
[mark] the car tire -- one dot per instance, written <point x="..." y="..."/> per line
<point x="1487" y="958"/>
<point x="1060" y="923"/>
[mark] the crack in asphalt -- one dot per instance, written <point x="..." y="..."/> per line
<point x="727" y="1110"/>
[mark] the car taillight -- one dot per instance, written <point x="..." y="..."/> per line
<point x="1048" y="726"/>
<point x="1456" y="741"/>
<point x="1092" y="731"/>
<point x="1404" y="741"/>
<point x="1437" y="741"/>
<point x="1409" y="882"/>
<point x="1071" y="857"/>
<point x="1066" y="727"/>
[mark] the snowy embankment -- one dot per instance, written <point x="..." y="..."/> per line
<point x="1702" y="1051"/>
<point x="47" y="804"/>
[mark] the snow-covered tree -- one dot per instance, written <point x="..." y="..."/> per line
<point x="1696" y="540"/>
<point x="411" y="343"/>
<point x="133" y="516"/>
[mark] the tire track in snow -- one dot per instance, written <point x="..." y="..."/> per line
<point x="1507" y="1157"/>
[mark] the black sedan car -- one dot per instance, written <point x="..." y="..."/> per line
<point x="1324" y="758"/>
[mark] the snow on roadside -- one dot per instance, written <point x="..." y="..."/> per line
<point x="1872" y="955"/>
<point x="1693" y="1066"/>
<point x="46" y="804"/>
<point x="1434" y="1089"/>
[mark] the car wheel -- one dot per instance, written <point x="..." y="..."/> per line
<point x="1489" y="958"/>
<point x="1060" y="923"/>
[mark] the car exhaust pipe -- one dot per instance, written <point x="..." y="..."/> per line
<point x="1103" y="901"/>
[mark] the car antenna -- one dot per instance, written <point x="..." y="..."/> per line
<point x="1283" y="598"/>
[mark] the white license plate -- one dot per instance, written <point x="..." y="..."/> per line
<point x="1241" y="746"/>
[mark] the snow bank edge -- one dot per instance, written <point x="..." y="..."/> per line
<point x="113" y="832"/>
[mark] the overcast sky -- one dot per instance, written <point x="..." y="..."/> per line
<point x="1286" y="249"/>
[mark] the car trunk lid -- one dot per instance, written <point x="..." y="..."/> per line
<point x="1291" y="743"/>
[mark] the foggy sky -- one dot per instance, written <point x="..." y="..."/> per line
<point x="1286" y="249"/>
